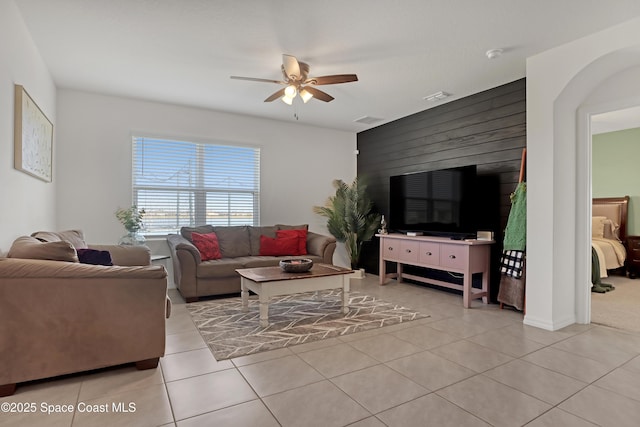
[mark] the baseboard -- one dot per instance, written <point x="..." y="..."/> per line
<point x="549" y="326"/>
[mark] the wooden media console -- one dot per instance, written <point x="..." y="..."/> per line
<point x="438" y="253"/>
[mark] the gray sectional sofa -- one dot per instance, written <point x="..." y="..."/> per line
<point x="240" y="248"/>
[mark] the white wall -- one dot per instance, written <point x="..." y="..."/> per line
<point x="298" y="162"/>
<point x="560" y="84"/>
<point x="27" y="204"/>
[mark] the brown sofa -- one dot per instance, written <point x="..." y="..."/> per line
<point x="59" y="316"/>
<point x="240" y="248"/>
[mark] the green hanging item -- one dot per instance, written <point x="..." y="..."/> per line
<point x="515" y="234"/>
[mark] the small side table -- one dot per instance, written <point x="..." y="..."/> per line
<point x="159" y="259"/>
<point x="633" y="256"/>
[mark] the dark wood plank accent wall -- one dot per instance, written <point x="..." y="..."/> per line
<point x="487" y="129"/>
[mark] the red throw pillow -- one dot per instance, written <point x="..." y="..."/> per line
<point x="300" y="234"/>
<point x="208" y="245"/>
<point x="278" y="247"/>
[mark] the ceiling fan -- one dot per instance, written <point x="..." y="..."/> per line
<point x="297" y="81"/>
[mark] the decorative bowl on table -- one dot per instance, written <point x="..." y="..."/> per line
<point x="297" y="265"/>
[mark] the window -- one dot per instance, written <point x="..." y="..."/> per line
<point x="180" y="183"/>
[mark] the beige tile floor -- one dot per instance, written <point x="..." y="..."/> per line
<point x="459" y="367"/>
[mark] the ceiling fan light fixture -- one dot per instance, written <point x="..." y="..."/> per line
<point x="305" y="95"/>
<point x="295" y="75"/>
<point x="290" y="91"/>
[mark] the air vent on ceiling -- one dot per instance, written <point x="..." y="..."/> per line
<point x="436" y="96"/>
<point x="368" y="120"/>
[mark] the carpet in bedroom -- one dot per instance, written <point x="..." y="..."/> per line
<point x="620" y="308"/>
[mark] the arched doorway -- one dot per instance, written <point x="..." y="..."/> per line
<point x="620" y="90"/>
<point x="564" y="87"/>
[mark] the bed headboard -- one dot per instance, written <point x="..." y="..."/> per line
<point x="614" y="208"/>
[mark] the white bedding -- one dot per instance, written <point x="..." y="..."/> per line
<point x="611" y="253"/>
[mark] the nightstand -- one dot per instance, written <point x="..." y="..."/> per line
<point x="633" y="256"/>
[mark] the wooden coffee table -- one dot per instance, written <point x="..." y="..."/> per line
<point x="267" y="282"/>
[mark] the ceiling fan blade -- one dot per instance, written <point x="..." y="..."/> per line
<point x="318" y="94"/>
<point x="253" y="79"/>
<point x="332" y="80"/>
<point x="276" y="95"/>
<point x="290" y="67"/>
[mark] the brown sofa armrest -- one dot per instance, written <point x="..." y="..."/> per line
<point x="185" y="258"/>
<point x="322" y="246"/>
<point x="178" y="243"/>
<point x="126" y="255"/>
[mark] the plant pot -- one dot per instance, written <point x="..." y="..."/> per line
<point x="358" y="273"/>
<point x="132" y="238"/>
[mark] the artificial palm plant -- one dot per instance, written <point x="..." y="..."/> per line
<point x="349" y="217"/>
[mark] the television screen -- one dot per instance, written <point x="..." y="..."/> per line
<point x="439" y="202"/>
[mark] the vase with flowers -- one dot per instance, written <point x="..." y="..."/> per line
<point x="131" y="218"/>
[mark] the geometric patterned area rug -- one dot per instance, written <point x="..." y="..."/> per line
<point x="293" y="319"/>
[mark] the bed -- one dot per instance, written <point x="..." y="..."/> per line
<point x="609" y="232"/>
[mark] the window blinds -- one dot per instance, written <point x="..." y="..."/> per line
<point x="181" y="183"/>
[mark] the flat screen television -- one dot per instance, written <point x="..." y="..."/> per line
<point x="436" y="203"/>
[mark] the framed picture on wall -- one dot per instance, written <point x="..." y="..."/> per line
<point x="33" y="137"/>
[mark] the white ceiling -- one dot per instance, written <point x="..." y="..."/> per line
<point x="183" y="51"/>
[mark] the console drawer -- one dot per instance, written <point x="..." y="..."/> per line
<point x="453" y="256"/>
<point x="391" y="249"/>
<point x="409" y="251"/>
<point x="429" y="253"/>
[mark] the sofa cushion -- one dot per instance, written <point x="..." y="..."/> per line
<point x="202" y="229"/>
<point x="300" y="234"/>
<point x="259" y="261"/>
<point x="94" y="257"/>
<point x="26" y="247"/>
<point x="234" y="240"/>
<point x="291" y="227"/>
<point x="256" y="232"/>
<point x="224" y="267"/>
<point x="76" y="237"/>
<point x="208" y="245"/>
<point x="278" y="246"/>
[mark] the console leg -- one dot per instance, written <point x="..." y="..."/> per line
<point x="466" y="290"/>
<point x="383" y="269"/>
<point x="485" y="287"/>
